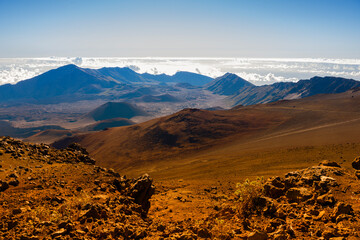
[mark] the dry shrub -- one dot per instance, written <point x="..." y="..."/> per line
<point x="247" y="194"/>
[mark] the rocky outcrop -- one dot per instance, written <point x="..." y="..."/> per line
<point x="61" y="194"/>
<point x="304" y="204"/>
<point x="44" y="153"/>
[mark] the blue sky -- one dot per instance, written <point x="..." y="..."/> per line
<point x="223" y="28"/>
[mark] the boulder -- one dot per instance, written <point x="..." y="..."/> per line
<point x="204" y="233"/>
<point x="266" y="205"/>
<point x="13" y="175"/>
<point x="95" y="212"/>
<point x="3" y="186"/>
<point x="77" y="147"/>
<point x="142" y="190"/>
<point x="328" y="163"/>
<point x="356" y="163"/>
<point x="14" y="182"/>
<point x="298" y="194"/>
<point x="326" y="200"/>
<point x="328" y="181"/>
<point x="342" y="208"/>
<point x="16" y="211"/>
<point x="274" y="188"/>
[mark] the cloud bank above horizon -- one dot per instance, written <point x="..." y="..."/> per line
<point x="259" y="71"/>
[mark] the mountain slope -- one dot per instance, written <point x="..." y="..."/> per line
<point x="124" y="75"/>
<point x="180" y="77"/>
<point x="187" y="130"/>
<point x="171" y="145"/>
<point x="287" y="90"/>
<point x="68" y="80"/>
<point x="6" y="129"/>
<point x="71" y="83"/>
<point x="158" y="98"/>
<point x="108" y="123"/>
<point x="323" y="85"/>
<point x="228" y="84"/>
<point x="261" y="94"/>
<point x="115" y="110"/>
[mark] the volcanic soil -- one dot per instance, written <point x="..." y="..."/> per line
<point x="62" y="194"/>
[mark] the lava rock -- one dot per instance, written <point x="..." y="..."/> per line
<point x="356" y="163"/>
<point x="3" y="186"/>
<point x="142" y="190"/>
<point x="328" y="163"/>
<point x="298" y="194"/>
<point x="343" y="208"/>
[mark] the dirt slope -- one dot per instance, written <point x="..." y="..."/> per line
<point x="197" y="143"/>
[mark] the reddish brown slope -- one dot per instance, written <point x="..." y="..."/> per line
<point x="199" y="143"/>
<point x="184" y="132"/>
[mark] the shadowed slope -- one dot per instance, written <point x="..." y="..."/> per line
<point x="68" y="80"/>
<point x="108" y="123"/>
<point x="288" y="90"/>
<point x="228" y="84"/>
<point x="180" y="77"/>
<point x="115" y="110"/>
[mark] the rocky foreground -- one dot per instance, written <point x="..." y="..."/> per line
<point x="61" y="194"/>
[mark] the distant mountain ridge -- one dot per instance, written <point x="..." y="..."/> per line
<point x="289" y="90"/>
<point x="242" y="92"/>
<point x="63" y="81"/>
<point x="180" y="77"/>
<point x="72" y="83"/>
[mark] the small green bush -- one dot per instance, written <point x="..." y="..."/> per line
<point x="247" y="193"/>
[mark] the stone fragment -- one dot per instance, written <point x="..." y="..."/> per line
<point x="95" y="212"/>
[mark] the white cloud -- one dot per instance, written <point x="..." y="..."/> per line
<point x="13" y="74"/>
<point x="269" y="78"/>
